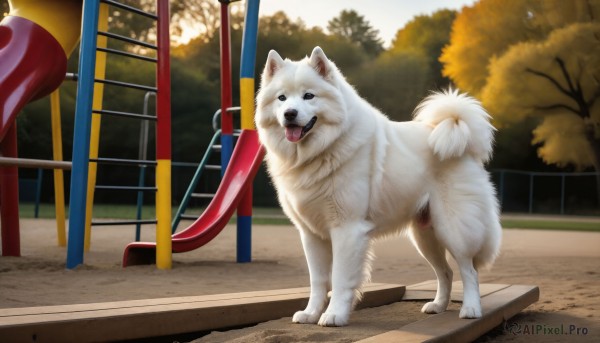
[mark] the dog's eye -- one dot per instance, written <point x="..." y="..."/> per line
<point x="281" y="97"/>
<point x="308" y="96"/>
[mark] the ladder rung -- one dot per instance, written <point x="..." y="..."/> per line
<point x="189" y="217"/>
<point x="127" y="54"/>
<point x="127" y="85"/>
<point x="127" y="39"/>
<point x="119" y="161"/>
<point x="203" y="195"/>
<point x="125" y="114"/>
<point x="130" y="8"/>
<point x="212" y="167"/>
<point x="122" y="222"/>
<point x="184" y="164"/>
<point x="126" y="188"/>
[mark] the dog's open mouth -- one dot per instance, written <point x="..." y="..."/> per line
<point x="295" y="133"/>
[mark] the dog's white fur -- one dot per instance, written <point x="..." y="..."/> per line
<point x="357" y="176"/>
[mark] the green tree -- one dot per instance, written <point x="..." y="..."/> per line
<point x="354" y="28"/>
<point x="556" y="80"/>
<point x="394" y="82"/>
<point x="204" y="16"/>
<point x="294" y="41"/>
<point x="3" y="8"/>
<point x="427" y="34"/>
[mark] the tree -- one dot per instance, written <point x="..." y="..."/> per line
<point x="354" y="28"/>
<point x="490" y="27"/>
<point x="3" y="8"/>
<point x="427" y="34"/>
<point x="394" y="82"/>
<point x="204" y="16"/>
<point x="558" y="81"/>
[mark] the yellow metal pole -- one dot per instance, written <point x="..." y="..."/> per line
<point x="163" y="215"/>
<point x="247" y="93"/>
<point x="95" y="131"/>
<point x="59" y="180"/>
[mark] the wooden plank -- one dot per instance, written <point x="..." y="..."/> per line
<point x="426" y="290"/>
<point x="447" y="327"/>
<point x="168" y="316"/>
<point x="147" y="302"/>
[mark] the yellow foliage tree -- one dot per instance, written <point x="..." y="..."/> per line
<point x="558" y="81"/>
<point x="490" y="27"/>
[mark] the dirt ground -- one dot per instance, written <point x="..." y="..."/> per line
<point x="565" y="265"/>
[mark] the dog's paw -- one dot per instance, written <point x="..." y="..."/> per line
<point x="332" y="319"/>
<point x="303" y="317"/>
<point x="433" y="308"/>
<point x="470" y="312"/>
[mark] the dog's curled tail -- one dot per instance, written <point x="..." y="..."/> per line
<point x="460" y="125"/>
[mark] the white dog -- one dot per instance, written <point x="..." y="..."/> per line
<point x="345" y="175"/>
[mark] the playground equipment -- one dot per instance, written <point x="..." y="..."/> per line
<point x="93" y="52"/>
<point x="64" y="34"/>
<point x="235" y="190"/>
<point x="34" y="48"/>
<point x="245" y="160"/>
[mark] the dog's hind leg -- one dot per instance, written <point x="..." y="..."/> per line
<point x="351" y="268"/>
<point x="430" y="248"/>
<point x="318" y="256"/>
<point x="471" y="306"/>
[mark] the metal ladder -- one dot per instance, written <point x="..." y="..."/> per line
<point x="142" y="162"/>
<point x="193" y="186"/>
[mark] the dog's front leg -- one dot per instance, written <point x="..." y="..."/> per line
<point x="318" y="257"/>
<point x="351" y="259"/>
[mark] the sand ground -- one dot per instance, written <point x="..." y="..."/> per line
<point x="565" y="265"/>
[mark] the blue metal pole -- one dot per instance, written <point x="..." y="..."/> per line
<point x="38" y="192"/>
<point x="140" y="203"/>
<point x="249" y="39"/>
<point x="248" y="60"/>
<point x="81" y="135"/>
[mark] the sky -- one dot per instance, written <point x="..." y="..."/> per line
<point x="387" y="16"/>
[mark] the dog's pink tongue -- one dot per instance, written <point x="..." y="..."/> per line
<point x="293" y="133"/>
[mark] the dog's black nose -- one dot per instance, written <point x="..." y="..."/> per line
<point x="290" y="114"/>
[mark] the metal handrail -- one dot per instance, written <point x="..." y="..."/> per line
<point x="215" y="119"/>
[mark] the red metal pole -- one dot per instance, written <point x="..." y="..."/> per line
<point x="163" y="81"/>
<point x="163" y="141"/>
<point x="9" y="196"/>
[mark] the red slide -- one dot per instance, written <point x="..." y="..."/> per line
<point x="32" y="64"/>
<point x="245" y="160"/>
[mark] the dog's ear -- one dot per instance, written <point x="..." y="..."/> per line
<point x="274" y="63"/>
<point x="320" y="62"/>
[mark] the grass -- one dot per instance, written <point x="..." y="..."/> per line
<point x="274" y="216"/>
<point x="537" y="224"/>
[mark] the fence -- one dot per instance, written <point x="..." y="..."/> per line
<point x="518" y="191"/>
<point x="548" y="193"/>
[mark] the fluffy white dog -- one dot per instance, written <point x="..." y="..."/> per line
<point x="345" y="175"/>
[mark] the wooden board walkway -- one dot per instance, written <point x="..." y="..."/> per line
<point x="499" y="303"/>
<point x="138" y="319"/>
